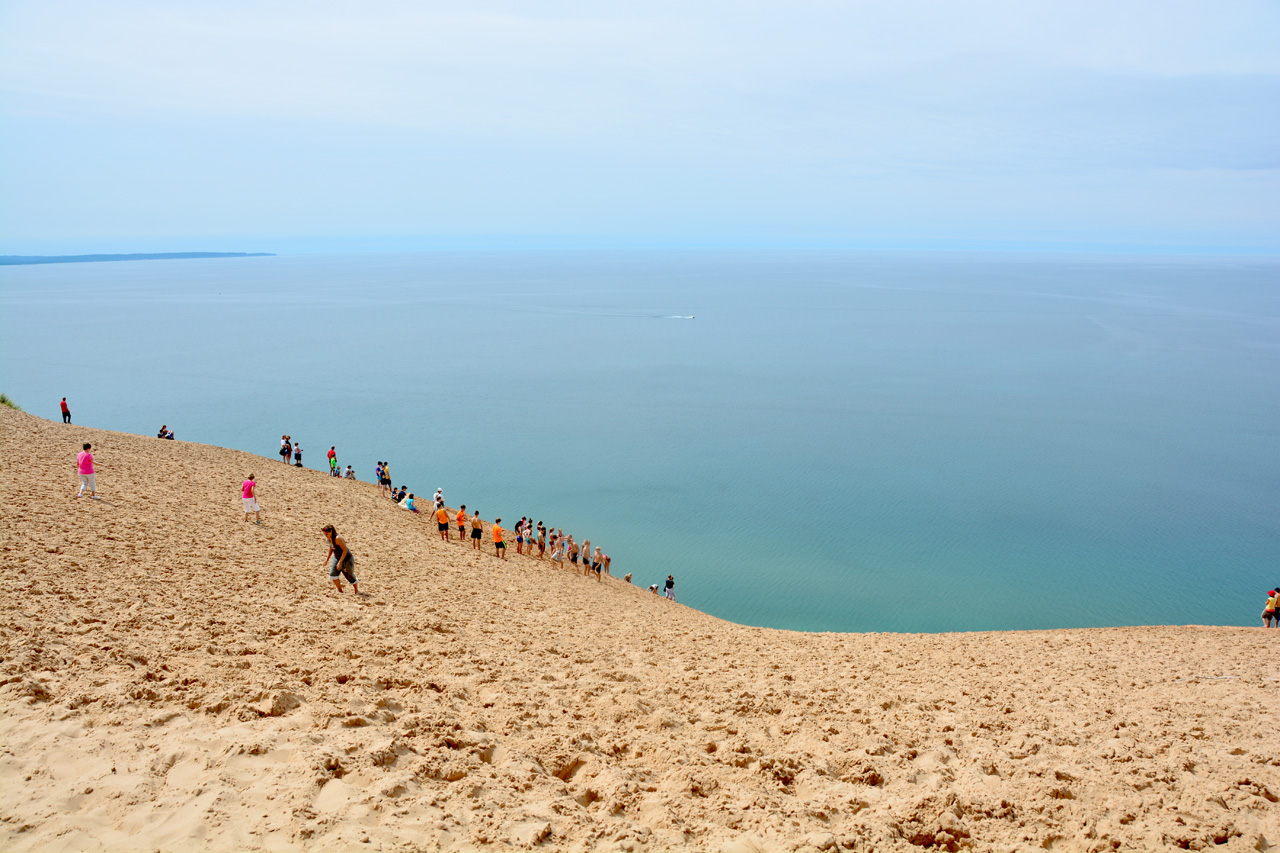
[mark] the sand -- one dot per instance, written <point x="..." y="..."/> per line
<point x="173" y="679"/>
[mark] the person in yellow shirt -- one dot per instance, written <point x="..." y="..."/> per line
<point x="442" y="523"/>
<point x="477" y="528"/>
<point x="499" y="546"/>
<point x="462" y="523"/>
<point x="1272" y="611"/>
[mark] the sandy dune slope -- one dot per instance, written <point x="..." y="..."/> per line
<point x="173" y="678"/>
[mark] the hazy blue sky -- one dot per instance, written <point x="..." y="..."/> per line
<point x="144" y="126"/>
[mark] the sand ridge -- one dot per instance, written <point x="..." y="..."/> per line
<point x="174" y="678"/>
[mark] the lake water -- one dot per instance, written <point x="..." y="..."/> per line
<point x="833" y="441"/>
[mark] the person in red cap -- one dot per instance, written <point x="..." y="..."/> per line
<point x="1269" y="614"/>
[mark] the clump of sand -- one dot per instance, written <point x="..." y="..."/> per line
<point x="173" y="678"/>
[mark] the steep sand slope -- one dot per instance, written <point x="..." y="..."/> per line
<point x="174" y="678"/>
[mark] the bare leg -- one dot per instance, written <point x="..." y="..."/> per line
<point x="338" y="584"/>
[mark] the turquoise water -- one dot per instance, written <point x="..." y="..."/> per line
<point x="834" y="441"/>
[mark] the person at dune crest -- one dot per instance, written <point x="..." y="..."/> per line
<point x="341" y="563"/>
<point x="442" y="523"/>
<point x="66" y="412"/>
<point x="477" y="530"/>
<point x="499" y="539"/>
<point x="1271" y="613"/>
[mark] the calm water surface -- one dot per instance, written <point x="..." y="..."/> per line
<point x="834" y="442"/>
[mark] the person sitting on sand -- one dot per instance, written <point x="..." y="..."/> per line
<point x="409" y="504"/>
<point x="627" y="577"/>
<point x="341" y="563"/>
<point x="163" y="429"/>
<point x="350" y="474"/>
<point x="442" y="523"/>
<point x="1269" y="614"/>
<point x="249" y="496"/>
<point x="477" y="529"/>
<point x="399" y="496"/>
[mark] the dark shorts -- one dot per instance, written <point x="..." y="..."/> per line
<point x="574" y="557"/>
<point x="502" y="545"/>
<point x="595" y="567"/>
<point x="442" y="527"/>
<point x="346" y="570"/>
<point x="519" y="540"/>
<point x="475" y="533"/>
<point x="542" y="547"/>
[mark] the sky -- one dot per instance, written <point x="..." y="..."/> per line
<point x="317" y="126"/>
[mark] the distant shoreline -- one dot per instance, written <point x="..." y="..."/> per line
<point x="15" y="260"/>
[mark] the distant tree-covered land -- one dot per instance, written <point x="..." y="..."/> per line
<point x="10" y="260"/>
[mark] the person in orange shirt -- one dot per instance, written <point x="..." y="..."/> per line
<point x="499" y="547"/>
<point x="442" y="523"/>
<point x="462" y="523"/>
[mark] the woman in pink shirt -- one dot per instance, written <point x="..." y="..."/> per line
<point x="249" y="495"/>
<point x="88" y="476"/>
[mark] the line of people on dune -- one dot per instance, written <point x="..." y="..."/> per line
<point x="528" y="535"/>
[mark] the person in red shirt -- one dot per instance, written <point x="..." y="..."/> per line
<point x="66" y="412"/>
